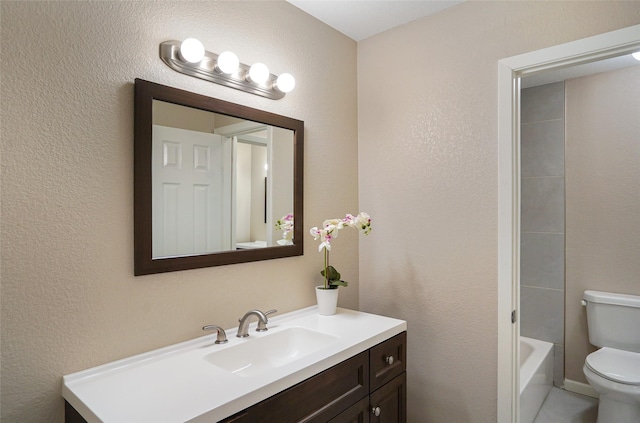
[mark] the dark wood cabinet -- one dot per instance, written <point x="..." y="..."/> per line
<point x="316" y="399"/>
<point x="367" y="388"/>
<point x="389" y="403"/>
<point x="387" y="360"/>
<point x="71" y="415"/>
<point x="386" y="405"/>
<point x="357" y="413"/>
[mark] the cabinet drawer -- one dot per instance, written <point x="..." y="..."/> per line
<point x="390" y="402"/>
<point x="357" y="413"/>
<point x="388" y="360"/>
<point x="317" y="399"/>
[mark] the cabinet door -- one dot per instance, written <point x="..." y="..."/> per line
<point x="357" y="413"/>
<point x="388" y="360"/>
<point x="315" y="400"/>
<point x="389" y="404"/>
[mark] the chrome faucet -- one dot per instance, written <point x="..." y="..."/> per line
<point x="243" y="329"/>
<point x="221" y="338"/>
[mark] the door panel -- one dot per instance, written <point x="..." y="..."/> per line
<point x="188" y="217"/>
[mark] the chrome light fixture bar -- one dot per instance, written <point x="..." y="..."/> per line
<point x="205" y="65"/>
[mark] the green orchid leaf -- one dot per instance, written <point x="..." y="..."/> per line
<point x="332" y="274"/>
<point x="339" y="282"/>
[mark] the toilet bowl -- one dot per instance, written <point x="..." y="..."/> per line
<point x="614" y="370"/>
<point x="615" y="375"/>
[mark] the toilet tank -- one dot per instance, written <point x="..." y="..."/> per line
<point x="613" y="320"/>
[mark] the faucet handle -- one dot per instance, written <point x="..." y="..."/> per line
<point x="221" y="338"/>
<point x="262" y="326"/>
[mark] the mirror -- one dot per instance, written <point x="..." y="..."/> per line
<point x="211" y="181"/>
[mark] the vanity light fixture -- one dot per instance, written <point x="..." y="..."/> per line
<point x="190" y="58"/>
<point x="636" y="55"/>
<point x="191" y="50"/>
<point x="228" y="62"/>
<point x="285" y="82"/>
<point x="258" y="73"/>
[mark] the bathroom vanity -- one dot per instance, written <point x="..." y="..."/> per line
<point x="350" y="367"/>
<point x="370" y="383"/>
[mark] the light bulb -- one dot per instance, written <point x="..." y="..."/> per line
<point x="228" y="62"/>
<point x="191" y="50"/>
<point x="636" y="55"/>
<point x="259" y="73"/>
<point x="285" y="82"/>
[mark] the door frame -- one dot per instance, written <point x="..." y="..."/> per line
<point x="510" y="70"/>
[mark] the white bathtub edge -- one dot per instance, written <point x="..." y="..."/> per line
<point x="536" y="378"/>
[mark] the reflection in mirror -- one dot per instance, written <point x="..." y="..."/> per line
<point x="219" y="183"/>
<point x="212" y="179"/>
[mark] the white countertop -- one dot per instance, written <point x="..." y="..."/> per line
<point x="178" y="384"/>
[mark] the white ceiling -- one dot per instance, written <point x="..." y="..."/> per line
<point x="360" y="19"/>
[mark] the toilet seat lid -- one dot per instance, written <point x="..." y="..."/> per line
<point x="616" y="365"/>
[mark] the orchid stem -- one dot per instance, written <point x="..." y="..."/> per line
<point x="326" y="270"/>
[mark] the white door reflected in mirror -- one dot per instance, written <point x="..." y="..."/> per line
<point x="219" y="182"/>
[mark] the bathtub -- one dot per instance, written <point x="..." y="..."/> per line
<point x="536" y="376"/>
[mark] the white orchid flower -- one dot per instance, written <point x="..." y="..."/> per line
<point x="316" y="233"/>
<point x="363" y="222"/>
<point x="285" y="224"/>
<point x="330" y="230"/>
<point x="349" y="220"/>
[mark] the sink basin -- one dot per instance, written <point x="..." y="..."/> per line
<point x="211" y="382"/>
<point x="271" y="351"/>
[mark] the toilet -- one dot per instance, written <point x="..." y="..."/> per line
<point x="614" y="370"/>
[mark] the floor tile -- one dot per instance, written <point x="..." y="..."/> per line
<point x="566" y="407"/>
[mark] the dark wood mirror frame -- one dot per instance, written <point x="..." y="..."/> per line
<point x="145" y="93"/>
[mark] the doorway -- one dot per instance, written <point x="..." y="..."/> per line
<point x="511" y="70"/>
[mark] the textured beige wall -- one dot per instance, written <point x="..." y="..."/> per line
<point x="603" y="197"/>
<point x="428" y="172"/>
<point x="69" y="297"/>
<point x="428" y="152"/>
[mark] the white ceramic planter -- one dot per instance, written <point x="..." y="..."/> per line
<point x="327" y="300"/>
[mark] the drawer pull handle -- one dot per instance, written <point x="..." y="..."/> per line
<point x="389" y="359"/>
<point x="375" y="411"/>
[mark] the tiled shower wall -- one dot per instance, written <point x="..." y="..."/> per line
<point x="542" y="247"/>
